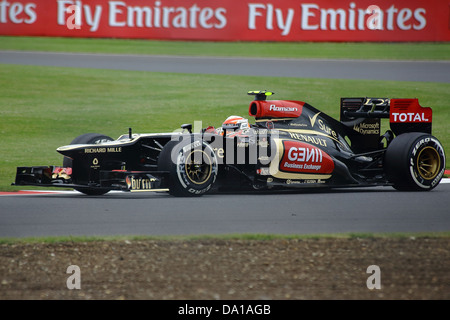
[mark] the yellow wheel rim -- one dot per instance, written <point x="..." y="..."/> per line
<point x="198" y="167"/>
<point x="428" y="163"/>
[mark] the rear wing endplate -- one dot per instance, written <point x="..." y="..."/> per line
<point x="405" y="115"/>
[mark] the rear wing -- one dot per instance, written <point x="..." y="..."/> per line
<point x="362" y="117"/>
<point x="405" y="115"/>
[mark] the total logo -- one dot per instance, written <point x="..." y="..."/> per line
<point x="409" y="117"/>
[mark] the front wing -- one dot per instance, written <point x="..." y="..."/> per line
<point x="122" y="180"/>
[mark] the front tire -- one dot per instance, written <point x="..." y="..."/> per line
<point x="415" y="161"/>
<point x="88" y="138"/>
<point x="192" y="167"/>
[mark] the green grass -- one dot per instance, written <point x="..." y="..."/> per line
<point x="227" y="237"/>
<point x="351" y="50"/>
<point x="42" y="108"/>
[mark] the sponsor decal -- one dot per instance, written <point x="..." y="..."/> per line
<point x="139" y="183"/>
<point x="305" y="181"/>
<point x="322" y="125"/>
<point x="409" y="111"/>
<point x="103" y="150"/>
<point x="228" y="20"/>
<point x="307" y="138"/>
<point x="95" y="164"/>
<point x="376" y="102"/>
<point x="298" y="124"/>
<point x="313" y="119"/>
<point x="297" y="134"/>
<point x="409" y="117"/>
<point x="275" y="109"/>
<point x="303" y="157"/>
<point x="95" y="150"/>
<point x="367" y="128"/>
<point x="283" y="109"/>
<point x="327" y="129"/>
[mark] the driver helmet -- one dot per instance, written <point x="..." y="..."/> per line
<point x="235" y="123"/>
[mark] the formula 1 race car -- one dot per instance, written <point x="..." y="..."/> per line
<point x="291" y="145"/>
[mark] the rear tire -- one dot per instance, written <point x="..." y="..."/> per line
<point x="192" y="167"/>
<point x="88" y="138"/>
<point x="415" y="161"/>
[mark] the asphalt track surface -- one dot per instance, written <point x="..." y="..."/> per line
<point x="373" y="210"/>
<point x="434" y="71"/>
<point x="338" y="211"/>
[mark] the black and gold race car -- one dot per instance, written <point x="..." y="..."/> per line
<point x="290" y="145"/>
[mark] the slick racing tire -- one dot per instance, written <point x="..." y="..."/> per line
<point x="415" y="161"/>
<point x="88" y="138"/>
<point x="192" y="167"/>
